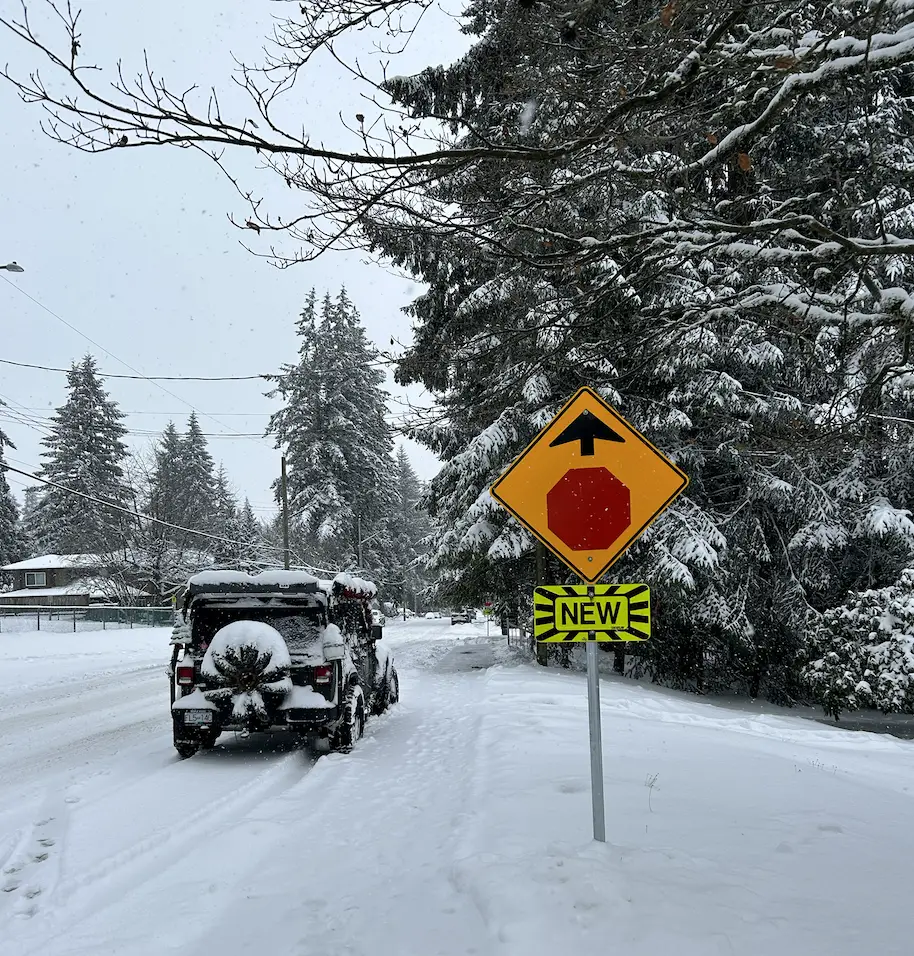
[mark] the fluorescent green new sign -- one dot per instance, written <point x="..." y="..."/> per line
<point x="596" y="612"/>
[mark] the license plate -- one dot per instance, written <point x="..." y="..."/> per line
<point x="197" y="718"/>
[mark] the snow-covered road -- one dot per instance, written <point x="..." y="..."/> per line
<point x="459" y="825"/>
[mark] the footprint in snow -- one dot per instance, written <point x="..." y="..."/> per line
<point x="571" y="786"/>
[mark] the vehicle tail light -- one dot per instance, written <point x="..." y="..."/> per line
<point x="323" y="673"/>
<point x="185" y="673"/>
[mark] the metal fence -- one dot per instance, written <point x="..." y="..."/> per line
<point x="518" y="636"/>
<point x="17" y="618"/>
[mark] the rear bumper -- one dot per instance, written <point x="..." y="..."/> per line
<point x="297" y="720"/>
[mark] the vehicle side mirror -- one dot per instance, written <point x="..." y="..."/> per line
<point x="377" y="632"/>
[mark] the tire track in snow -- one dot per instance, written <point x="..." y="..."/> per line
<point x="50" y="712"/>
<point x="405" y="796"/>
<point x="49" y="697"/>
<point x="105" y="882"/>
<point x="80" y="746"/>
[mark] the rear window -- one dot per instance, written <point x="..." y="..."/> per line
<point x="299" y="627"/>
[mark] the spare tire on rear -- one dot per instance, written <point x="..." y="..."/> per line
<point x="246" y="669"/>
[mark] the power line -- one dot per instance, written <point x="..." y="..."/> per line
<point x="124" y="411"/>
<point x="261" y="376"/>
<point x="139" y="374"/>
<point x="146" y="378"/>
<point x="134" y="432"/>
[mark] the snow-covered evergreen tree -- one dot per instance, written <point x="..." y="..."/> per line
<point x="84" y="453"/>
<point x="199" y="504"/>
<point x="27" y="519"/>
<point x="410" y="530"/>
<point x="12" y="540"/>
<point x="248" y="550"/>
<point x="333" y="426"/>
<point x="248" y="532"/>
<point x="166" y="551"/>
<point x="165" y="493"/>
<point x="726" y="346"/>
<point x="862" y="652"/>
<point x="223" y="519"/>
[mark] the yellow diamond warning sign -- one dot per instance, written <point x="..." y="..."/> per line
<point x="596" y="612"/>
<point x="589" y="485"/>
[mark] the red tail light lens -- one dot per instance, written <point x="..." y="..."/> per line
<point x="185" y="673"/>
<point x="323" y="673"/>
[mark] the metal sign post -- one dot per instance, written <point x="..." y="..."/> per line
<point x="596" y="744"/>
<point x="592" y="614"/>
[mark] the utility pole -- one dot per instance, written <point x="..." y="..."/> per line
<point x="285" y="516"/>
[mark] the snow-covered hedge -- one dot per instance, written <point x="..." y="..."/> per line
<point x="863" y="652"/>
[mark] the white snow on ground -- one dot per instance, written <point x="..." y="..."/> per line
<point x="459" y="825"/>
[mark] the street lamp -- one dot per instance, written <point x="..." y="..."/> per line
<point x="13" y="267"/>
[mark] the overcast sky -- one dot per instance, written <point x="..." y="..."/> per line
<point x="134" y="250"/>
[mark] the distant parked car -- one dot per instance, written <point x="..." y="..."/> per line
<point x="432" y="615"/>
<point x="463" y="616"/>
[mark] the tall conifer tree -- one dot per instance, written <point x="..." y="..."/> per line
<point x="84" y="453"/>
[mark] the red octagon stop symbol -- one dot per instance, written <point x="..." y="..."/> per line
<point x="588" y="508"/>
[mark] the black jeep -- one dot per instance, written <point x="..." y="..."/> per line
<point x="277" y="651"/>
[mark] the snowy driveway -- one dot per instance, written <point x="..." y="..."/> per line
<point x="459" y="826"/>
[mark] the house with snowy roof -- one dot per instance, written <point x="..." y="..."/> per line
<point x="64" y="580"/>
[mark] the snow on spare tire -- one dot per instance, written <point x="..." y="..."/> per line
<point x="251" y="662"/>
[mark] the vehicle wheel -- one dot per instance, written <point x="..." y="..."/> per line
<point x="394" y="697"/>
<point x="351" y="726"/>
<point x="382" y="699"/>
<point x="209" y="741"/>
<point x="186" y="749"/>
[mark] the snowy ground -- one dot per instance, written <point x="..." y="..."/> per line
<point x="459" y="825"/>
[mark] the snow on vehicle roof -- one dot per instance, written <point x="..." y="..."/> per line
<point x="348" y="582"/>
<point x="270" y="578"/>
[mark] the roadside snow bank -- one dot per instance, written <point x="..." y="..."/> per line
<point x="787" y="839"/>
<point x="41" y="658"/>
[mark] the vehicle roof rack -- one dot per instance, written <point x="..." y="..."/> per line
<point x="266" y="582"/>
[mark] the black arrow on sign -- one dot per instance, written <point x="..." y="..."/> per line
<point x="586" y="428"/>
